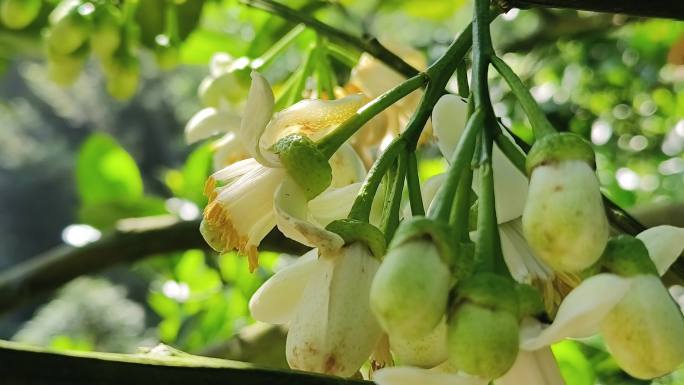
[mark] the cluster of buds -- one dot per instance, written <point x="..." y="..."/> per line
<point x="426" y="303"/>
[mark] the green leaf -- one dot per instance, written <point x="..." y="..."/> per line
<point x="105" y="172"/>
<point x="189" y="182"/>
<point x="105" y="214"/>
<point x="574" y="366"/>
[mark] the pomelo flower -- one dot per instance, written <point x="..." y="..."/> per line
<point x="220" y="93"/>
<point x="324" y="299"/>
<point x="243" y="205"/>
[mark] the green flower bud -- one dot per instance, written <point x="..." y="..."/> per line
<point x="352" y="230"/>
<point x="106" y="35"/>
<point x="627" y="256"/>
<point x="530" y="301"/>
<point x="65" y="69"/>
<point x="483" y="329"/>
<point x="645" y="331"/>
<point x="70" y="27"/>
<point x="166" y="52"/>
<point x="17" y="14"/>
<point x="304" y="163"/>
<point x="557" y="148"/>
<point x="426" y="352"/>
<point x="564" y="221"/>
<point x="410" y="290"/>
<point x="123" y="76"/>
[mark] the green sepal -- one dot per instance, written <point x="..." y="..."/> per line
<point x="627" y="256"/>
<point x="437" y="232"/>
<point x="305" y="163"/>
<point x="530" y="301"/>
<point x="352" y="230"/>
<point x="559" y="147"/>
<point x="489" y="290"/>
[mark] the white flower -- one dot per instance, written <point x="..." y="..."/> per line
<point x="241" y="208"/>
<point x="325" y="301"/>
<point x="220" y="93"/>
<point x="373" y="78"/>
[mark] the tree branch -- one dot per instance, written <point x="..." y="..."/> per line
<point x="368" y="43"/>
<point x="29" y="365"/>
<point x="667" y="9"/>
<point x="141" y="238"/>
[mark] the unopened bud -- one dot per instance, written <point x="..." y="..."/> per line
<point x="17" y="14"/>
<point x="483" y="330"/>
<point x="564" y="220"/>
<point x="123" y="75"/>
<point x="106" y="35"/>
<point x="70" y="27"/>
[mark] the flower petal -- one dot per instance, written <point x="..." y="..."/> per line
<point x="258" y="112"/>
<point x="310" y="117"/>
<point x="294" y="222"/>
<point x="538" y="367"/>
<point x="209" y="122"/>
<point x="228" y="150"/>
<point x="347" y="167"/>
<point x="333" y="203"/>
<point x="449" y="118"/>
<point x="580" y="314"/>
<point x="664" y="243"/>
<point x="277" y="299"/>
<point x="408" y="375"/>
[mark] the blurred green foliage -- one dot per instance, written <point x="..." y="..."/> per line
<point x="610" y="83"/>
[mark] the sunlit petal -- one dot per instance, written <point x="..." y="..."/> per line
<point x="581" y="312"/>
<point x="333" y="203"/>
<point x="228" y="150"/>
<point x="664" y="243"/>
<point x="209" y="122"/>
<point x="347" y="167"/>
<point x="407" y="375"/>
<point x="277" y="299"/>
<point x="538" y="367"/>
<point x="449" y="118"/>
<point x="258" y="112"/>
<point x="294" y="221"/>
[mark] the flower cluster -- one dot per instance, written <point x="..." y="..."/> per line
<point x="431" y="306"/>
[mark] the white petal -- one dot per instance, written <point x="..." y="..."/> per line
<point x="293" y="220"/>
<point x="581" y="312"/>
<point x="277" y="299"/>
<point x="235" y="170"/>
<point x="407" y="375"/>
<point x="431" y="187"/>
<point x="664" y="243"/>
<point x="209" y="122"/>
<point x="258" y="112"/>
<point x="449" y="118"/>
<point x="333" y="203"/>
<point x="533" y="368"/>
<point x="310" y="117"/>
<point x="228" y="150"/>
<point x="347" y="167"/>
<point x="510" y="187"/>
<point x="524" y="266"/>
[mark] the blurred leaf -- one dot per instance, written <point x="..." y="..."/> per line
<point x="63" y="342"/>
<point x="106" y="214"/>
<point x="189" y="182"/>
<point x="163" y="305"/>
<point x="106" y="172"/>
<point x="575" y="368"/>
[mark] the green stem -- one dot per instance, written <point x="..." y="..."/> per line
<point x="540" y="123"/>
<point x="511" y="150"/>
<point x="392" y="206"/>
<point x="300" y="85"/>
<point x="462" y="78"/>
<point x="331" y="142"/>
<point x="326" y="75"/>
<point x="460" y="211"/>
<point x="364" y="200"/>
<point x="482" y="50"/>
<point x="279" y="47"/>
<point x="441" y="206"/>
<point x="413" y="183"/>
<point x="343" y="55"/>
<point x="370" y="45"/>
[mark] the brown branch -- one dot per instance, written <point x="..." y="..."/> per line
<point x="29" y="365"/>
<point x="668" y="9"/>
<point x="140" y="239"/>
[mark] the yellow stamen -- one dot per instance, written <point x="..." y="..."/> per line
<point x="220" y="233"/>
